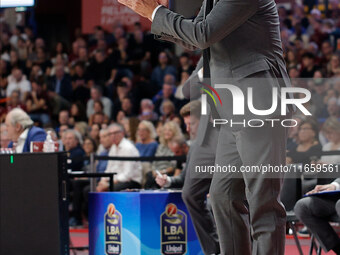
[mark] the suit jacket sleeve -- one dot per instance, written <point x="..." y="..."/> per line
<point x="224" y="18"/>
<point x="191" y="88"/>
<point x="177" y="41"/>
<point x="185" y="45"/>
<point x="178" y="181"/>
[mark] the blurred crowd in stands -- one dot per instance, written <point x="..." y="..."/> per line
<point x="118" y="93"/>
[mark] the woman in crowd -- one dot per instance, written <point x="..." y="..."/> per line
<point x="89" y="146"/>
<point x="168" y="111"/>
<point x="94" y="132"/>
<point x="146" y="144"/>
<point x="307" y="143"/>
<point x="333" y="66"/>
<point x="146" y="135"/>
<point x="77" y="113"/>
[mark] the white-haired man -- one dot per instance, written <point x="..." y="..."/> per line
<point x="129" y="173"/>
<point x="21" y="132"/>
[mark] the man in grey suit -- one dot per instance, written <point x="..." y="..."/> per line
<point x="244" y="44"/>
<point x="316" y="212"/>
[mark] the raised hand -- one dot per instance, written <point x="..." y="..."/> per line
<point x="164" y="3"/>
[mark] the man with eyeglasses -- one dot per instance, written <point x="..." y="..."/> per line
<point x="129" y="173"/>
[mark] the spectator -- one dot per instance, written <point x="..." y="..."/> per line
<point x="98" y="108"/>
<point x="99" y="70"/>
<point x="60" y="90"/>
<point x="60" y="49"/>
<point x="14" y="101"/>
<point x="326" y="52"/>
<point x="72" y="145"/>
<point x="168" y="93"/>
<point x="291" y="59"/>
<point x="97" y="94"/>
<point x="104" y="148"/>
<point x="309" y="67"/>
<point x="77" y="113"/>
<point x="64" y="118"/>
<point x="21" y="132"/>
<point x="18" y="82"/>
<point x="157" y="76"/>
<point x="127" y="107"/>
<point x="168" y="111"/>
<point x="129" y="173"/>
<point x="44" y="62"/>
<point x="89" y="147"/>
<point x="121" y="56"/>
<point x="122" y="92"/>
<point x="15" y="61"/>
<point x="59" y="60"/>
<point x="94" y="132"/>
<point x="147" y="110"/>
<point x="333" y="66"/>
<point x="37" y="103"/>
<point x="81" y="127"/>
<point x="308" y="144"/>
<point x="333" y="108"/>
<point x="61" y="135"/>
<point x="185" y="64"/>
<point x="293" y="133"/>
<point x="81" y="92"/>
<point x="146" y="134"/>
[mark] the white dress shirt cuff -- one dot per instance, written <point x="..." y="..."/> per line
<point x="154" y="12"/>
<point x="200" y="74"/>
<point x="337" y="185"/>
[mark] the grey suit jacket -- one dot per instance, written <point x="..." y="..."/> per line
<point x="244" y="41"/>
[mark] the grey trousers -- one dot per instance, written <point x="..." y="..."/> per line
<point x="195" y="189"/>
<point x="315" y="213"/>
<point x="230" y="192"/>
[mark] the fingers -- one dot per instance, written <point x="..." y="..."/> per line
<point x="311" y="192"/>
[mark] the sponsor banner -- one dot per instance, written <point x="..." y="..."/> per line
<point x="140" y="223"/>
